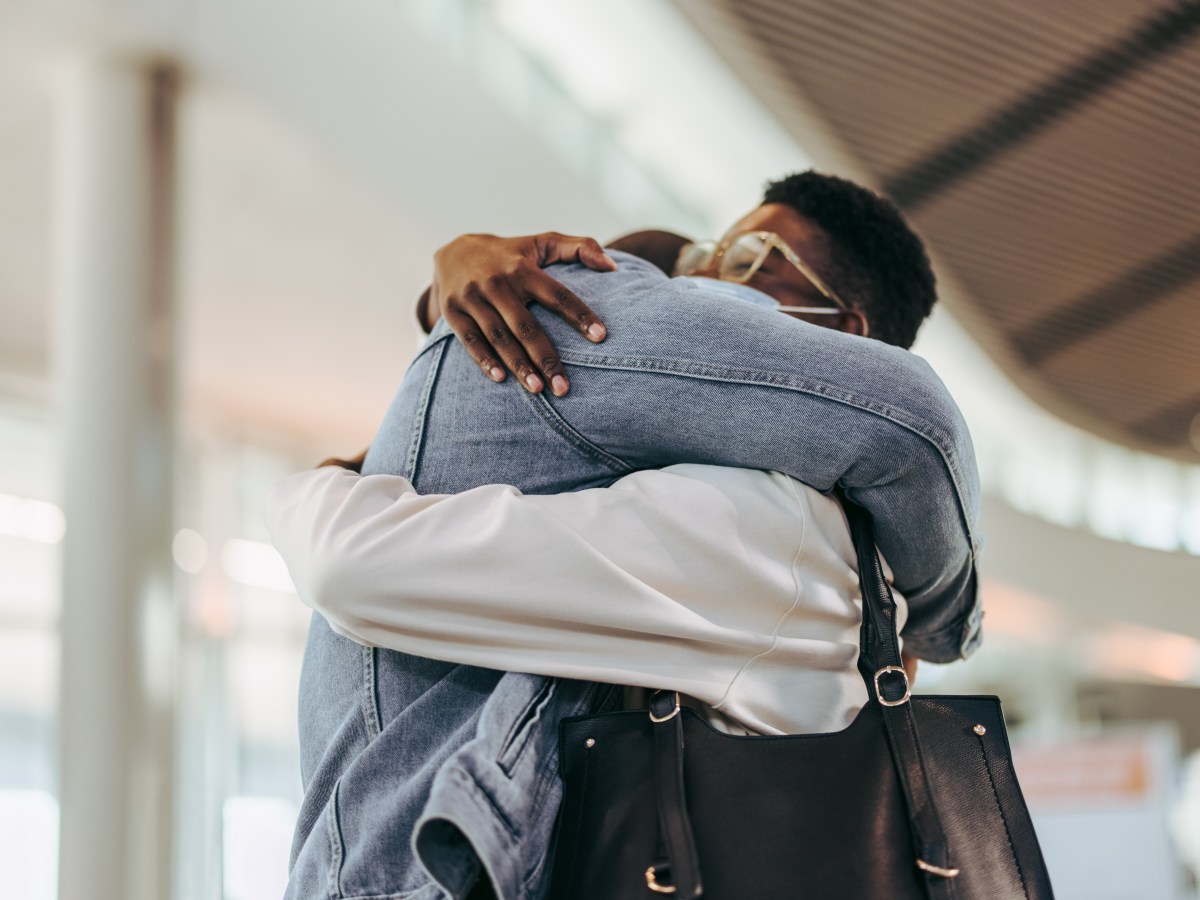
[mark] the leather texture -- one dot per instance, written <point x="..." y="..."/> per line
<point x="879" y="652"/>
<point x="839" y="815"/>
<point x="674" y="823"/>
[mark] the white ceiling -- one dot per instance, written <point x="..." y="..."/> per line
<point x="318" y="175"/>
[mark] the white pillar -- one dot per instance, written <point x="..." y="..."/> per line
<point x="113" y="273"/>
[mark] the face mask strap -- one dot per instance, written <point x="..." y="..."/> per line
<point x="825" y="311"/>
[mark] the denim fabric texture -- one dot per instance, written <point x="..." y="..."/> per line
<point x="419" y="774"/>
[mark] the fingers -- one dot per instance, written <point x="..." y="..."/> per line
<point x="541" y="288"/>
<point x="489" y="283"/>
<point x="477" y="346"/>
<point x="498" y="331"/>
<point x="553" y="247"/>
<point x="525" y="347"/>
<point x="592" y="255"/>
<point x="354" y="463"/>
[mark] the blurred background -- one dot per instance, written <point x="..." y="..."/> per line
<point x="215" y="217"/>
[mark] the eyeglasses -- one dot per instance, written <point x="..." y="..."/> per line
<point x="739" y="257"/>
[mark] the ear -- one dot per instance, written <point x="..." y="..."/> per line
<point x="854" y="321"/>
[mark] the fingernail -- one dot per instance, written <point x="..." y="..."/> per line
<point x="559" y="385"/>
<point x="612" y="262"/>
<point x="596" y="332"/>
<point x="533" y="382"/>
<point x="497" y="373"/>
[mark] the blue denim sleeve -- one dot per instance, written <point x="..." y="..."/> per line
<point x="686" y="375"/>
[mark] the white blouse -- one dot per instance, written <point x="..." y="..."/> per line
<point x="736" y="587"/>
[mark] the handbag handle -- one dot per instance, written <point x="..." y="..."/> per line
<point x="880" y="665"/>
<point x="879" y="658"/>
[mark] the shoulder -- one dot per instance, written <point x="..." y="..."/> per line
<point x="632" y="273"/>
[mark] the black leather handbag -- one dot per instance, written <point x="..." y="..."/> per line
<point x="917" y="798"/>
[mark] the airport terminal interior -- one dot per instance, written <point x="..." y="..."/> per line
<point x="215" y="219"/>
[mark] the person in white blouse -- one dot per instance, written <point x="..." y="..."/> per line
<point x="736" y="587"/>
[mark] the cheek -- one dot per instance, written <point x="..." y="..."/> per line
<point x="786" y="292"/>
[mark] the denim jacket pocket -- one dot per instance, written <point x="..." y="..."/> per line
<point x="517" y="739"/>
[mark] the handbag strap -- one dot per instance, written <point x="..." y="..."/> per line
<point x="674" y="824"/>
<point x="878" y="639"/>
<point x="881" y="667"/>
<point x="879" y="663"/>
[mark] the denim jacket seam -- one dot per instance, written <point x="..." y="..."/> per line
<point x="333" y="827"/>
<point x="520" y="731"/>
<point x="547" y="775"/>
<point x="505" y="820"/>
<point x="501" y="816"/>
<point x="934" y="435"/>
<point x="692" y="369"/>
<point x="413" y="456"/>
<point x="563" y="428"/>
<point x="923" y="429"/>
<point x="438" y="335"/>
<point x="370" y="699"/>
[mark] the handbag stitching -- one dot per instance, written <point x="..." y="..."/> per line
<point x="1004" y="819"/>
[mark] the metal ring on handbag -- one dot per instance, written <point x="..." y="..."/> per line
<point x="907" y="691"/>
<point x="667" y="718"/>
<point x="652" y="883"/>
<point x="937" y="870"/>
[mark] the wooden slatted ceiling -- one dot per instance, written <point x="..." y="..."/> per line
<point x="1050" y="154"/>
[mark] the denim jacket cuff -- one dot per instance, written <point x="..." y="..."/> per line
<point x="958" y="640"/>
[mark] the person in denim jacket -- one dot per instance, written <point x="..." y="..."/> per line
<point x="427" y="779"/>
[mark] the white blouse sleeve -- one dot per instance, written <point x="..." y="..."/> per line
<point x="661" y="579"/>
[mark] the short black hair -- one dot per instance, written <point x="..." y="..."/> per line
<point x="880" y="264"/>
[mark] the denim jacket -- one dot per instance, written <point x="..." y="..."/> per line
<point x="420" y="775"/>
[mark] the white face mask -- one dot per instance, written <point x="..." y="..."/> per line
<point x="747" y="294"/>
<point x="733" y="289"/>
